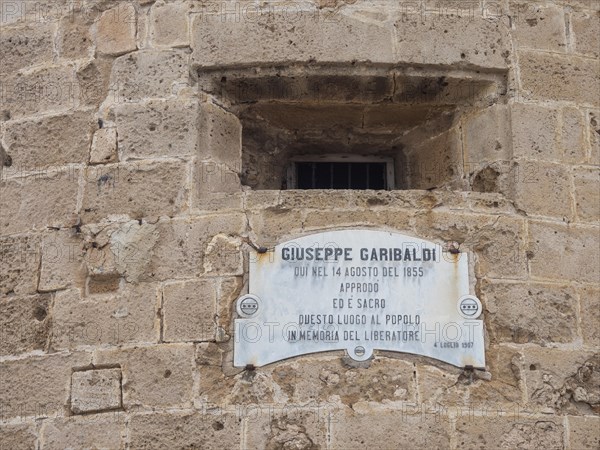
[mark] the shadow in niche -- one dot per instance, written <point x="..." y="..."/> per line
<point x="410" y="115"/>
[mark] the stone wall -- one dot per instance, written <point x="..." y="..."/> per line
<point x="125" y="229"/>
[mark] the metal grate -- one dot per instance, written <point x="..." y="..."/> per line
<point x="341" y="175"/>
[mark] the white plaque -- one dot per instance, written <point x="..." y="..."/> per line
<point x="359" y="291"/>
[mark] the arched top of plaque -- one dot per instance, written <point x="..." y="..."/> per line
<point x="359" y="291"/>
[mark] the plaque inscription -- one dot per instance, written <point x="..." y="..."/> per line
<point x="359" y="291"/>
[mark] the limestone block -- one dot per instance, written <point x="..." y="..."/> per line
<point x="549" y="76"/>
<point x="93" y="82"/>
<point x="95" y="390"/>
<point x="104" y="146"/>
<point x="23" y="207"/>
<point x="398" y="220"/>
<point x="131" y="246"/>
<point x="572" y="135"/>
<point x="496" y="431"/>
<point x="46" y="89"/>
<point x="564" y="381"/>
<point x="534" y="130"/>
<point x="543" y="189"/>
<point x="587" y="186"/>
<point x="558" y="252"/>
<point x="157" y="128"/>
<point x="189" y="310"/>
<point x="291" y="427"/>
<point x="586" y="30"/>
<point x="276" y="224"/>
<point x="38" y="386"/>
<point x="54" y="140"/>
<point x="590" y="315"/>
<point x="546" y="313"/>
<point x="96" y="431"/>
<point x="24" y="324"/>
<point x="584" y="432"/>
<point x="538" y="26"/>
<point x="220" y="136"/>
<point x="116" y="30"/>
<point x="169" y="24"/>
<point x="386" y="380"/>
<point x="223" y="256"/>
<point x="127" y="315"/>
<point x="138" y="189"/>
<point x="487" y="136"/>
<point x="25" y="46"/>
<point x="504" y="363"/>
<point x="389" y="429"/>
<point x="19" y="264"/>
<point x="185" y="430"/>
<point x="191" y="237"/>
<point x="451" y="39"/>
<point x="49" y="141"/>
<point x="18" y="437"/>
<point x="498" y="243"/>
<point x="228" y="291"/>
<point x="154" y="377"/>
<point x="149" y="73"/>
<point x="74" y="40"/>
<point x="62" y="261"/>
<point x="278" y="37"/>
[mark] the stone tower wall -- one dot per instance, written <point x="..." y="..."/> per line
<point x="130" y="198"/>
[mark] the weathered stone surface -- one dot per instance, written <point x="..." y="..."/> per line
<point x="510" y="432"/>
<point x="584" y="432"/>
<point x="75" y="40"/>
<point x="158" y="128"/>
<point x="116" y="30"/>
<point x="389" y="429"/>
<point x="562" y="380"/>
<point x="594" y="136"/>
<point x="19" y="264"/>
<point x="534" y="131"/>
<point x="25" y="46"/>
<point x="228" y="291"/>
<point x="498" y="242"/>
<point x="546" y="76"/>
<point x="23" y="208"/>
<point x="487" y="136"/>
<point x="586" y="28"/>
<point x="24" y="323"/>
<point x="38" y="386"/>
<point x="149" y="73"/>
<point x="95" y="390"/>
<point x="49" y="141"/>
<point x="572" y="135"/>
<point x="42" y="89"/>
<point x="18" y="437"/>
<point x="62" y="261"/>
<point x="96" y="431"/>
<point x="590" y="315"/>
<point x="223" y="256"/>
<point x="185" y="430"/>
<point x="189" y="310"/>
<point x="557" y="252"/>
<point x="169" y="24"/>
<point x="139" y="189"/>
<point x="587" y="200"/>
<point x="278" y="38"/>
<point x="542" y="189"/>
<point x="94" y="82"/>
<point x="220" y="136"/>
<point x="157" y="376"/>
<point x="546" y="313"/>
<point x="291" y="428"/>
<point x="539" y="26"/>
<point x="104" y="146"/>
<point x="127" y="315"/>
<point x="450" y="38"/>
<point x="190" y="237"/>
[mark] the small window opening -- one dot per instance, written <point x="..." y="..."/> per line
<point x="343" y="172"/>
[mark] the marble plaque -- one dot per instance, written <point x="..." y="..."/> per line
<point x="359" y="291"/>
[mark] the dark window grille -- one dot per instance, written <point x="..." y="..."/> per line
<point x="341" y="175"/>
